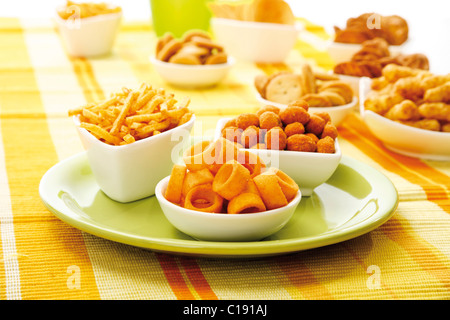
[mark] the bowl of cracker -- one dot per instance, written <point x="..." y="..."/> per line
<point x="257" y="31"/>
<point x="131" y="139"/>
<point x="88" y="29"/>
<point x="221" y="193"/>
<point x="301" y="143"/>
<point x="408" y="110"/>
<point x="323" y="92"/>
<point x="194" y="61"/>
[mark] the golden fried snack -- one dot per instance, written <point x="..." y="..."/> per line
<point x="193" y="157"/>
<point x="308" y="81"/>
<point x="175" y="185"/>
<point x="251" y="135"/>
<point x="288" y="186"/>
<point x="275" y="139"/>
<point x="333" y="98"/>
<point x="86" y="9"/>
<point x="232" y="133"/>
<point x="246" y="120"/>
<point x="435" y="110"/>
<point x="343" y="88"/>
<point x="315" y="125"/>
<point x="438" y="94"/>
<point x="251" y="162"/>
<point x="263" y="109"/>
<point x="246" y="202"/>
<point x="445" y="127"/>
<point x="435" y="81"/>
<point x="284" y="88"/>
<point x="381" y="103"/>
<point x="326" y="145"/>
<point x="294" y="128"/>
<point x="312" y="136"/>
<point x="196" y="178"/>
<point x="218" y="153"/>
<point x="294" y="114"/>
<point x="203" y="198"/>
<point x="270" y="190"/>
<point x="299" y="103"/>
<point x="410" y="88"/>
<point x="230" y="179"/>
<point x="168" y="50"/>
<point x="268" y="120"/>
<point x="301" y="142"/>
<point x="405" y="110"/>
<point x="427" y="124"/>
<point x="260" y="146"/>
<point x="393" y="72"/>
<point x="329" y="130"/>
<point x="183" y="58"/>
<point x="316" y="100"/>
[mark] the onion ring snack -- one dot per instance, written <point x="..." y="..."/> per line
<point x="231" y="179"/>
<point x="246" y="203"/>
<point x="175" y="185"/>
<point x="203" y="198"/>
<point x="270" y="191"/>
<point x="193" y="157"/>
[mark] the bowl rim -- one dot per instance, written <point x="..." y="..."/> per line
<point x="162" y="184"/>
<point x="135" y="144"/>
<point x="178" y="66"/>
<point x="297" y="27"/>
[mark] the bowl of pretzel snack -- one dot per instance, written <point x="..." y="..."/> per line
<point x="129" y="139"/>
<point x="194" y="61"/>
<point x="88" y="29"/>
<point x="300" y="142"/>
<point x="259" y="30"/>
<point x="323" y="92"/>
<point x="347" y="41"/>
<point x="222" y="193"/>
<point x="408" y="109"/>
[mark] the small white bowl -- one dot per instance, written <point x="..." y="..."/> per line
<point x="404" y="139"/>
<point x="308" y="169"/>
<point x="337" y="114"/>
<point x="342" y="52"/>
<point x="131" y="172"/>
<point x="89" y="37"/>
<point x="192" y="76"/>
<point x="255" y="41"/>
<point x="222" y="226"/>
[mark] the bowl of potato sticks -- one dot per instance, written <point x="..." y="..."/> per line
<point x="132" y="137"/>
<point x="409" y="111"/>
<point x="194" y="61"/>
<point x="322" y="91"/>
<point x="88" y="29"/>
<point x="222" y="193"/>
<point x="302" y="144"/>
<point x="258" y="31"/>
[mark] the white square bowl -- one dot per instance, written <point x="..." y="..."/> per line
<point x="89" y="37"/>
<point x="131" y="172"/>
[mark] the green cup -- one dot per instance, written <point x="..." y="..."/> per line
<point x="179" y="16"/>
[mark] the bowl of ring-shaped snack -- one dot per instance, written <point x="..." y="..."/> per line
<point x="301" y="143"/>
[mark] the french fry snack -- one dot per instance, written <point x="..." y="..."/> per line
<point x="82" y="10"/>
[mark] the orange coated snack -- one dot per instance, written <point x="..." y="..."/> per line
<point x="293" y="128"/>
<point x="219" y="177"/>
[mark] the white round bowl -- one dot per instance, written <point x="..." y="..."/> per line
<point x="131" y="172"/>
<point x="337" y="114"/>
<point x="342" y="52"/>
<point x="308" y="169"/>
<point x="404" y="139"/>
<point x="222" y="226"/>
<point x="89" y="37"/>
<point x="255" y="41"/>
<point x="192" y="76"/>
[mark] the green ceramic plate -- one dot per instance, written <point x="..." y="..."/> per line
<point x="354" y="201"/>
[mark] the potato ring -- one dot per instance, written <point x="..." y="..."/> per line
<point x="195" y="178"/>
<point x="287" y="184"/>
<point x="218" y="153"/>
<point x="270" y="191"/>
<point x="251" y="187"/>
<point x="251" y="162"/>
<point x="231" y="179"/>
<point x="203" y="198"/>
<point x="246" y="203"/>
<point x="193" y="157"/>
<point x="175" y="185"/>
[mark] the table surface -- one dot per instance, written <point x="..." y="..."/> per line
<point x="40" y="254"/>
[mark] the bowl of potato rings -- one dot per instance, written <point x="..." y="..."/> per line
<point x="222" y="193"/>
<point x="304" y="145"/>
<point x="131" y="139"/>
<point x="193" y="61"/>
<point x="408" y="110"/>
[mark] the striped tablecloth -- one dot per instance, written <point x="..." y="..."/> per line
<point x="39" y="82"/>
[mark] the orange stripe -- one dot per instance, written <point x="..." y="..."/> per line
<point x="197" y="279"/>
<point x="87" y="80"/>
<point x="271" y="68"/>
<point x="174" y="277"/>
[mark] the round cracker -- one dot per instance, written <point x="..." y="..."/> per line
<point x="168" y="50"/>
<point x="284" y="88"/>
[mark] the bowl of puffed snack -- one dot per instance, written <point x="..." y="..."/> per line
<point x="408" y="109"/>
<point x="194" y="61"/>
<point x="263" y="31"/>
<point x="322" y="91"/>
<point x="301" y="143"/>
<point x="348" y="40"/>
<point x="88" y="29"/>
<point x="131" y="139"/>
<point x="222" y="193"/>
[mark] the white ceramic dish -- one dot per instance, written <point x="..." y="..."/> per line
<point x="192" y="76"/>
<point x="308" y="169"/>
<point x="89" y="37"/>
<point x="342" y="52"/>
<point x="131" y="172"/>
<point x="225" y="227"/>
<point x="403" y="139"/>
<point x="337" y="113"/>
<point x="255" y="41"/>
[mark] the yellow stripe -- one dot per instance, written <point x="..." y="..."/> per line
<point x="41" y="239"/>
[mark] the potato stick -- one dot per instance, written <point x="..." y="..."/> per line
<point x="119" y="120"/>
<point x="152" y="105"/>
<point x="91" y="116"/>
<point x="128" y="138"/>
<point x="158" y="116"/>
<point x="100" y="132"/>
<point x="105" y="104"/>
<point x="154" y="126"/>
<point x="143" y="100"/>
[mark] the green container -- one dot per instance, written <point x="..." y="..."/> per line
<point x="179" y="16"/>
